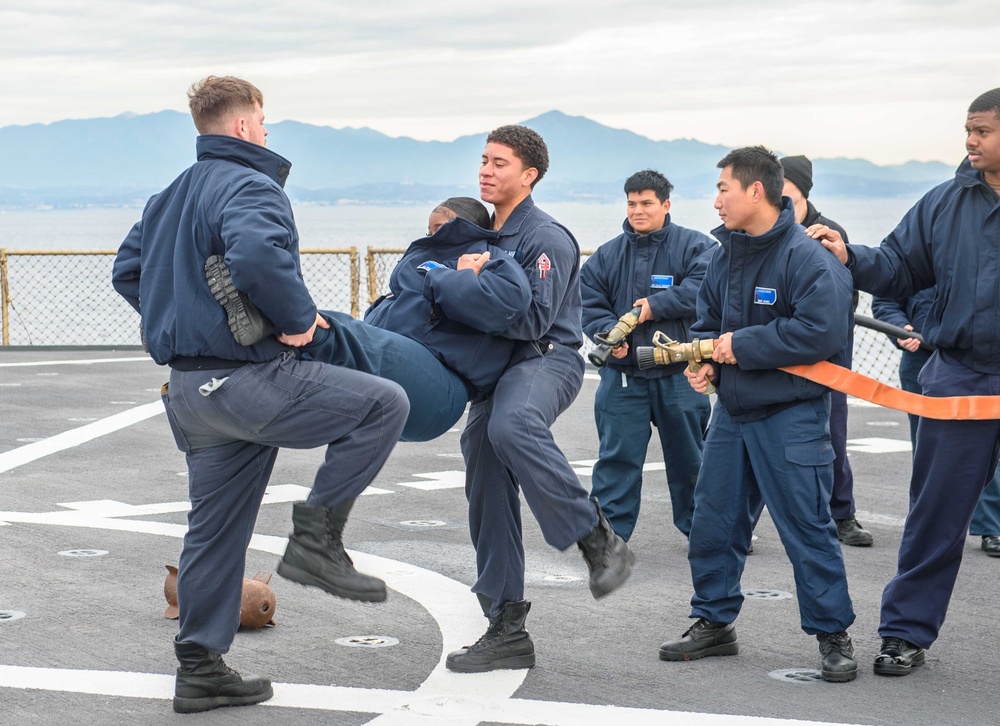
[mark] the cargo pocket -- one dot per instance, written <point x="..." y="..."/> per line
<point x="249" y="400"/>
<point x="813" y="455"/>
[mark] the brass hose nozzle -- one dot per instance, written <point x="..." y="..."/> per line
<point x="665" y="350"/>
<point x="614" y="337"/>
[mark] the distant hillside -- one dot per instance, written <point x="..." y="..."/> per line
<point x="122" y="160"/>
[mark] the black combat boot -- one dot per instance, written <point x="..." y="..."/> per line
<point x="898" y="657"/>
<point x="702" y="640"/>
<point x="506" y="644"/>
<point x="608" y="556"/>
<point x="315" y="554"/>
<point x="205" y="682"/>
<point x="839" y="665"/>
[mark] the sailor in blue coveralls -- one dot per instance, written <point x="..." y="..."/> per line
<point x="949" y="240"/>
<point x="231" y="406"/>
<point x="911" y="314"/>
<point x="772" y="301"/>
<point x="507" y="444"/>
<point x="657" y="265"/>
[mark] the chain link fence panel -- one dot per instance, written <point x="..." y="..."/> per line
<point x="66" y="298"/>
<point x="58" y="298"/>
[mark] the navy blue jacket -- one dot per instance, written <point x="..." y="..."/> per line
<point x="230" y="202"/>
<point x="787" y="302"/>
<point x="666" y="267"/>
<point x="456" y="314"/>
<point x="550" y="256"/>
<point x="950" y="239"/>
<point x="904" y="311"/>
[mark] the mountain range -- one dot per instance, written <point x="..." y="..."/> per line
<point x="124" y="159"/>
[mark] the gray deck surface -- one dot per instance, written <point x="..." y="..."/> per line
<point x="87" y="463"/>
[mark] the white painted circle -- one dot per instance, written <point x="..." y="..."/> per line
<point x="882" y="423"/>
<point x="367" y="641"/>
<point x="423" y="523"/>
<point x="83" y="553"/>
<point x="7" y="616"/>
<point x="31" y="440"/>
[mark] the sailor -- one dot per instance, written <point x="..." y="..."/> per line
<point x="656" y="265"/>
<point x="771" y="300"/>
<point x="507" y="443"/>
<point x="949" y="240"/>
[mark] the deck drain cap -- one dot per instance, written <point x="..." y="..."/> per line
<point x="367" y="641"/>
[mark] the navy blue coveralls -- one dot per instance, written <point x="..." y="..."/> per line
<point x="787" y="302"/>
<point x="913" y="311"/>
<point x="666" y="267"/>
<point x="842" y="498"/>
<point x="950" y="240"/>
<point x="435" y="333"/>
<point x="507" y="444"/>
<point x="229" y="406"/>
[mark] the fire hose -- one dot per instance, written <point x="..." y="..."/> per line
<point x="665" y="351"/>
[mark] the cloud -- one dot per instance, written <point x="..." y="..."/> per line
<point x="439" y="70"/>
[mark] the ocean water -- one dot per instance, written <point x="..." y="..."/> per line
<point x="98" y="316"/>
<point x="336" y="226"/>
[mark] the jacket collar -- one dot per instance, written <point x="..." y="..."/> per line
<point x="513" y="223"/>
<point x="966" y="176"/>
<point x="786" y="220"/>
<point x="659" y="235"/>
<point x="259" y="158"/>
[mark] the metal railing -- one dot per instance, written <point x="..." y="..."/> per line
<point x="65" y="298"/>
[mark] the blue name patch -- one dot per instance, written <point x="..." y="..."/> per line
<point x="661" y="281"/>
<point x="764" y="296"/>
<point x="431" y="265"/>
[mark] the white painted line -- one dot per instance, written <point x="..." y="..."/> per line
<point x="87" y="362"/>
<point x="467" y="705"/>
<point x="877" y="445"/>
<point x="74" y="437"/>
<point x="437" y="480"/>
<point x="875" y="518"/>
<point x="585" y="467"/>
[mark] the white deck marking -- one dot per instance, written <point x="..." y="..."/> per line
<point x="465" y="705"/>
<point x="876" y="445"/>
<point x="437" y="480"/>
<point x="86" y="362"/>
<point x="585" y="467"/>
<point x="74" y="437"/>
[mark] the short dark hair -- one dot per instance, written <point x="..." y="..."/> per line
<point x="214" y="99"/>
<point x="652" y="180"/>
<point x="527" y="145"/>
<point x="467" y="208"/>
<point x="756" y="163"/>
<point x="989" y="101"/>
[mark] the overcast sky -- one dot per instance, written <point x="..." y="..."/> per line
<point x="886" y="80"/>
